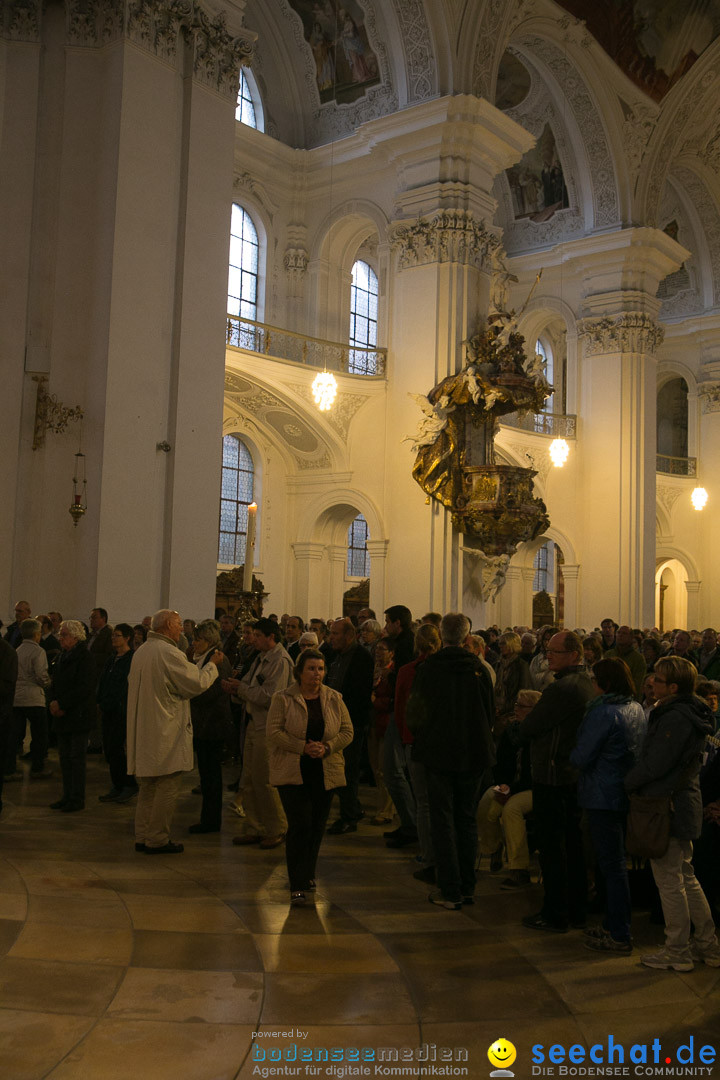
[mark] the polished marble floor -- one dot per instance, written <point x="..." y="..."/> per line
<point x="120" y="966"/>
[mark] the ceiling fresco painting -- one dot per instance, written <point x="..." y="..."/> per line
<point x="537" y="183"/>
<point x="345" y="63"/>
<point x="653" y="41"/>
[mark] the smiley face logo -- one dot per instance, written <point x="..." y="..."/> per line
<point x="502" y="1053"/>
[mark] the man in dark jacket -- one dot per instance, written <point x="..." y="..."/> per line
<point x="351" y="674"/>
<point x="398" y="625"/>
<point x="551" y="728"/>
<point x="8" y="679"/>
<point x="112" y="695"/>
<point x="669" y="765"/>
<point x="450" y="712"/>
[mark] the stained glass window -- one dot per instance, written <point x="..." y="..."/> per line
<point x="238" y="481"/>
<point x="243" y="273"/>
<point x="358" y="557"/>
<point x="363" y="318"/>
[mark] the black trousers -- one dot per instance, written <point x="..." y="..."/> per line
<point x="562" y="856"/>
<point x="37" y="715"/>
<point x="72" y="747"/>
<point x="306" y="807"/>
<point x="452" y="803"/>
<point x="350" y="808"/>
<point x="209" y="758"/>
<point x="7" y="741"/>
<point x="114" y="731"/>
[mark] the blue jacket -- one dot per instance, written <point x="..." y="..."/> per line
<point x="608" y="745"/>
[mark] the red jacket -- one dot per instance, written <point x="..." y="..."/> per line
<point x="403" y="686"/>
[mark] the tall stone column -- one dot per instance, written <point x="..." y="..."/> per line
<point x="447" y="154"/>
<point x="337" y="565"/>
<point x="708" y="456"/>
<point x="119" y="167"/>
<point x="618" y="449"/>
<point x="619" y="338"/>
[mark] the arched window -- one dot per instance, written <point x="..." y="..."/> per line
<point x="243" y="274"/>
<point x="249" y="109"/>
<point x="358" y="557"/>
<point x="544" y="350"/>
<point x="672" y="420"/>
<point x="363" y="319"/>
<point x="544" y="567"/>
<point x="238" y="482"/>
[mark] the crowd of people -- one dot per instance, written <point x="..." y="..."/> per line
<point x="480" y="745"/>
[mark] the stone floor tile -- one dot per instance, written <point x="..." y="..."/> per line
<point x="213" y="997"/>
<point x="13" y="905"/>
<point x="337" y="999"/>
<point x="9" y="932"/>
<point x="316" y="953"/>
<point x="208" y="916"/>
<point x="598" y="985"/>
<point x="317" y="918"/>
<point x="49" y="986"/>
<point x="71" y="911"/>
<point x="32" y="1042"/>
<point x="122" y="1049"/>
<point x="76" y="944"/>
<point x="195" y="951"/>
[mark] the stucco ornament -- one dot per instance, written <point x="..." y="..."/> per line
<point x="631" y="331"/>
<point x="445" y="236"/>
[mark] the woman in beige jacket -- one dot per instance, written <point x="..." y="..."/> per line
<point x="307" y="728"/>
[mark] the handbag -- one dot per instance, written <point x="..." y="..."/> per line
<point x="648" y="826"/>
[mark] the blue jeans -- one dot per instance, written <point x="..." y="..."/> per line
<point x="396" y="778"/>
<point x="607" y="832"/>
<point x="453" y="801"/>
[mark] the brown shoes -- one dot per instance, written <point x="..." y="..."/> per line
<point x="262" y="841"/>
<point x="272" y="841"/>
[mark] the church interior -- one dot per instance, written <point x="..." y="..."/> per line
<point x="384" y="177"/>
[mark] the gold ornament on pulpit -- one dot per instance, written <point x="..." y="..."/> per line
<point x="492" y="505"/>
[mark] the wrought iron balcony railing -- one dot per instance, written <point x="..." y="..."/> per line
<point x="301" y="349"/>
<point x="558" y="425"/>
<point x="676" y="466"/>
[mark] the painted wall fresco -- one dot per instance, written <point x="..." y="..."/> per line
<point x="653" y="41"/>
<point x="537" y="183"/>
<point x="345" y="64"/>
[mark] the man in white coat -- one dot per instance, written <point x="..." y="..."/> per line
<point x="159" y="731"/>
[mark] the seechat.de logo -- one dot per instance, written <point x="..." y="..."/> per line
<point x="502" y="1054"/>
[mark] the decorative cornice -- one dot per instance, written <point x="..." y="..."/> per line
<point x="445" y="236"/>
<point x="161" y="27"/>
<point x="20" y="20"/>
<point x="630" y="332"/>
<point x="709" y="394"/>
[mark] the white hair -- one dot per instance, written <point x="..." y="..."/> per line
<point x="74" y="628"/>
<point x="161" y="619"/>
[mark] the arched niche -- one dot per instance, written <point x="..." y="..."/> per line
<point x="356" y="229"/>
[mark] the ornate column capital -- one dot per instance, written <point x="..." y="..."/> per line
<point x="160" y="27"/>
<point x="20" y="20"/>
<point x="709" y="394"/>
<point x="442" y="237"/>
<point x="628" y="332"/>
